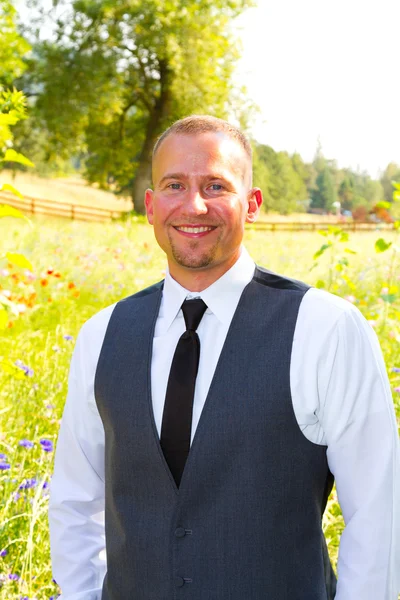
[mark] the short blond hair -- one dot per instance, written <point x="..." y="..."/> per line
<point x="195" y="124"/>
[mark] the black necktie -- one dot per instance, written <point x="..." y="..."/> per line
<point x="177" y="417"/>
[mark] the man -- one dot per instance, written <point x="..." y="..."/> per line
<point x="273" y="387"/>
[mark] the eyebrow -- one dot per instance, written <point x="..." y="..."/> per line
<point x="185" y="176"/>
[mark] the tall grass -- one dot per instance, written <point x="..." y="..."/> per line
<point x="80" y="268"/>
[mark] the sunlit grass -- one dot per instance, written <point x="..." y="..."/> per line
<point x="79" y="269"/>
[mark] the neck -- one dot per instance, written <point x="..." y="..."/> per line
<point x="197" y="280"/>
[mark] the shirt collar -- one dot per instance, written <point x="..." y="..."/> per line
<point x="222" y="297"/>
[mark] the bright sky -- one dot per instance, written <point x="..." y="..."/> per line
<point x="327" y="69"/>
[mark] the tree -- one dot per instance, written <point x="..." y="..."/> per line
<point x="324" y="194"/>
<point x="113" y="75"/>
<point x="13" y="47"/>
<point x="280" y="176"/>
<point x="390" y="175"/>
<point x="346" y="191"/>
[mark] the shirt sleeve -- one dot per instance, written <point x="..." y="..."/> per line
<point x="357" y="416"/>
<point x="76" y="507"/>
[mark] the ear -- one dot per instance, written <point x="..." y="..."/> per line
<point x="148" y="202"/>
<point x="254" y="203"/>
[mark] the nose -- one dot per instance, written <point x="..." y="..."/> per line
<point x="195" y="203"/>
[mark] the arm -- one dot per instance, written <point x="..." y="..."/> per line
<point x="358" y="419"/>
<point x="76" y="509"/>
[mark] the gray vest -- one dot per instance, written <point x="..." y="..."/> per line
<point x="245" y="523"/>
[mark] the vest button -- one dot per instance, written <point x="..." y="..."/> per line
<point x="179" y="582"/>
<point x="180" y="532"/>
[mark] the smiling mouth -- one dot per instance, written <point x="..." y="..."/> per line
<point x="194" y="229"/>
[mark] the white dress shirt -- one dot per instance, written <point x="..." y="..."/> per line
<point x="341" y="398"/>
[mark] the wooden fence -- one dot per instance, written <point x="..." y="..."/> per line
<point x="92" y="213"/>
<point x="318" y="226"/>
<point x="79" y="212"/>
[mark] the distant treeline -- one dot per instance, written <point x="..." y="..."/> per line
<point x="291" y="185"/>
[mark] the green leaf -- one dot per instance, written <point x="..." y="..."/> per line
<point x="396" y="185"/>
<point x="12" y="156"/>
<point x="335" y="230"/>
<point x="383" y="204"/>
<point x="350" y="251"/>
<point x="3" y="318"/>
<point x="10" y="118"/>
<point x="321" y="250"/>
<point x="19" y="260"/>
<point x="11" y="369"/>
<point x="390" y="298"/>
<point x="344" y="236"/>
<point x="396" y="225"/>
<point x="7" y="187"/>
<point x="320" y="284"/>
<point x="381" y="245"/>
<point x="10" y="211"/>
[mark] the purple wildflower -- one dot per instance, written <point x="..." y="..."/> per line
<point x="3" y="553"/>
<point x="69" y="338"/>
<point x="47" y="445"/>
<point x="26" y="443"/>
<point x="27" y="484"/>
<point x="27" y="370"/>
<point x="4" y="466"/>
<point x="395" y="370"/>
<point x="397" y="389"/>
<point x="13" y="576"/>
<point x="3" y="456"/>
<point x="45" y="485"/>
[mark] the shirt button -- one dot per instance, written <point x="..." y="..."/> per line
<point x="180" y="532"/>
<point x="179" y="582"/>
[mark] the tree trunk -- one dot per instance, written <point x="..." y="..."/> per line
<point x="142" y="179"/>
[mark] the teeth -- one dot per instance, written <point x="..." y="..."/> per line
<point x="194" y="229"/>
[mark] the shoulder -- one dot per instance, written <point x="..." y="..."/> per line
<point x="327" y="306"/>
<point x="326" y="318"/>
<point x="273" y="280"/>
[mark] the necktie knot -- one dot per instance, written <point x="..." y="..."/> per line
<point x="193" y="311"/>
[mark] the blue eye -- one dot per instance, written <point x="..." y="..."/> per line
<point x="175" y="186"/>
<point x="216" y="187"/>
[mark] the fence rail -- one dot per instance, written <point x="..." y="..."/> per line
<point x="60" y="209"/>
<point x="317" y="226"/>
<point x="92" y="213"/>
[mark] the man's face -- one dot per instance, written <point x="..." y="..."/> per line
<point x="201" y="201"/>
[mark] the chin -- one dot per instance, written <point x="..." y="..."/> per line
<point x="193" y="262"/>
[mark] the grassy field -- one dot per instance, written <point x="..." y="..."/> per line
<point x="72" y="190"/>
<point x="80" y="268"/>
